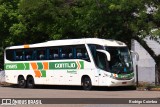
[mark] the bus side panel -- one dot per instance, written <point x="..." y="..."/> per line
<point x="71" y="76"/>
<point x="75" y="76"/>
<point x="11" y="76"/>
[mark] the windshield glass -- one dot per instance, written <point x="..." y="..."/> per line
<point x="121" y="62"/>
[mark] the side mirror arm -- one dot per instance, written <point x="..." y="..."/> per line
<point x="107" y="54"/>
<point x="136" y="54"/>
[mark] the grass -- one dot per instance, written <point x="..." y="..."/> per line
<point x="143" y="86"/>
<point x="5" y="84"/>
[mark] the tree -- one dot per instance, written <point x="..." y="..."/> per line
<point x="150" y="26"/>
<point x="59" y="19"/>
<point x="8" y="16"/>
<point x="44" y="19"/>
<point x="32" y="21"/>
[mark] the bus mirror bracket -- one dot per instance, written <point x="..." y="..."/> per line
<point x="136" y="55"/>
<point x="106" y="53"/>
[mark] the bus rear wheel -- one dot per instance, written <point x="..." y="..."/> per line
<point x="86" y="83"/>
<point x="21" y="82"/>
<point x="30" y="82"/>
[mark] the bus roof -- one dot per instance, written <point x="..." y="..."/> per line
<point x="103" y="42"/>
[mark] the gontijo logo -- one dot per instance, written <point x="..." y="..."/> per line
<point x="66" y="65"/>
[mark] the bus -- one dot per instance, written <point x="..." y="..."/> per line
<point x="85" y="62"/>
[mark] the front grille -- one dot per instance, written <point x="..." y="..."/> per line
<point x="123" y="78"/>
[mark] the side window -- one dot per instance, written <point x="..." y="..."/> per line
<point x="66" y="52"/>
<point x="81" y="52"/>
<point x="10" y="55"/>
<point x="93" y="48"/>
<point x="41" y="54"/>
<point x="30" y="54"/>
<point x="53" y="53"/>
<point x="19" y="55"/>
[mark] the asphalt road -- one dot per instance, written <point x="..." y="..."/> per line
<point x="77" y="92"/>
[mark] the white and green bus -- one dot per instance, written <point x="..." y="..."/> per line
<point x="80" y="62"/>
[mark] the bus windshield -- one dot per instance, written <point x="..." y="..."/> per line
<point x="121" y="61"/>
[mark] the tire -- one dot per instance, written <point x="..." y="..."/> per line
<point x="86" y="83"/>
<point x="30" y="82"/>
<point x="21" y="82"/>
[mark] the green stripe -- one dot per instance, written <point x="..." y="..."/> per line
<point x="43" y="73"/>
<point x="52" y="65"/>
<point x="126" y="75"/>
<point x="17" y="66"/>
<point x="27" y="66"/>
<point x="40" y="65"/>
<point x="82" y="64"/>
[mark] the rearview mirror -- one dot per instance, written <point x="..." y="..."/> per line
<point x="106" y="53"/>
<point x="136" y="55"/>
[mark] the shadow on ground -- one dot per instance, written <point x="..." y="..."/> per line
<point x="79" y="88"/>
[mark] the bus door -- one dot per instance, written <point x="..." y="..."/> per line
<point x="102" y="64"/>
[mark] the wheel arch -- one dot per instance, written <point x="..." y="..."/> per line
<point x="29" y="76"/>
<point x="84" y="76"/>
<point x="19" y="77"/>
<point x="21" y="81"/>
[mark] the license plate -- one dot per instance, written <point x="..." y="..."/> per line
<point x="124" y="82"/>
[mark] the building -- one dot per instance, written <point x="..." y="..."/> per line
<point x="146" y="64"/>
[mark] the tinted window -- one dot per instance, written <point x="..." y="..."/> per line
<point x="53" y="53"/>
<point x="30" y="54"/>
<point x="41" y="54"/>
<point x="10" y="55"/>
<point x="18" y="55"/>
<point x="81" y="52"/>
<point x="67" y="52"/>
<point x="49" y="53"/>
<point x="93" y="48"/>
<point x="101" y="61"/>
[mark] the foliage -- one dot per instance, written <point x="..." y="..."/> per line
<point x="8" y="17"/>
<point x="60" y="19"/>
<point x="32" y="21"/>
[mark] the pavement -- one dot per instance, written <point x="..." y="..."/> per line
<point x="56" y="92"/>
<point x="75" y="92"/>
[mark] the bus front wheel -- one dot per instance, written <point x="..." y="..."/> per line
<point x="30" y="82"/>
<point x="21" y="82"/>
<point x="86" y="83"/>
